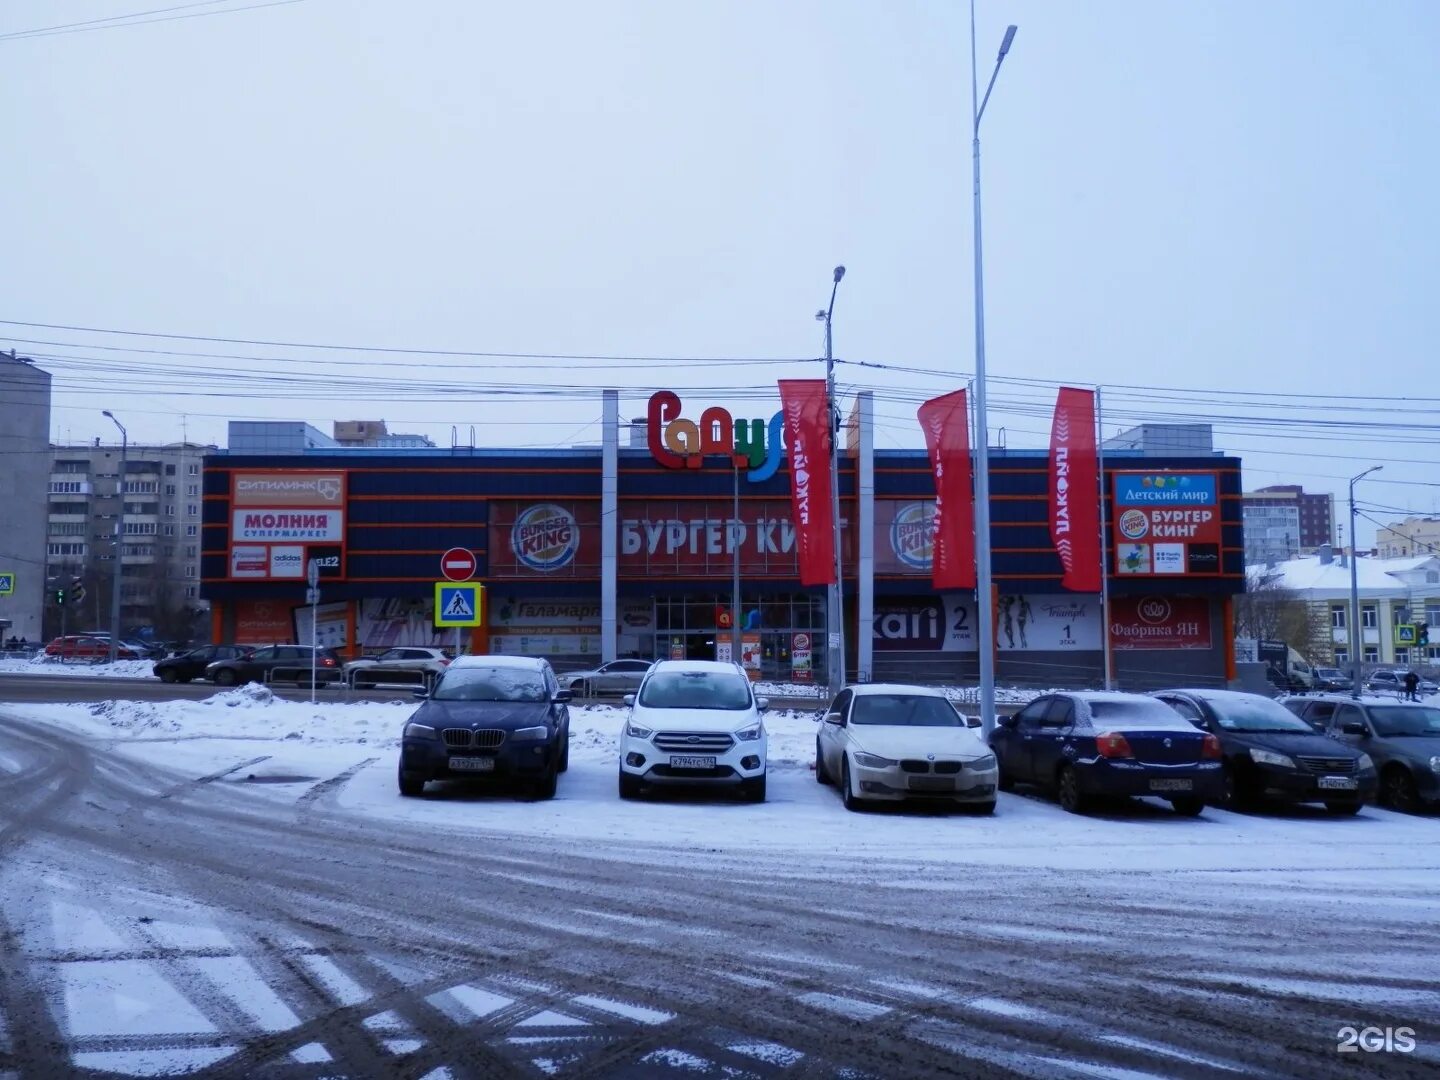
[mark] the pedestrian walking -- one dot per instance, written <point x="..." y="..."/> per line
<point x="1411" y="682"/>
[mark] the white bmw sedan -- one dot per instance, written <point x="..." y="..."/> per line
<point x="887" y="742"/>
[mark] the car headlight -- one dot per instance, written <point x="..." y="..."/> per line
<point x="419" y="731"/>
<point x="1435" y="764"/>
<point x="874" y="761"/>
<point x="540" y="731"/>
<point x="1269" y="757"/>
<point x="1364" y="764"/>
<point x="635" y="731"/>
<point x="982" y="763"/>
<point x="749" y="734"/>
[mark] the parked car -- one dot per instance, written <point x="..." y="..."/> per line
<point x="884" y="742"/>
<point x="1393" y="682"/>
<point x="616" y="677"/>
<point x="1270" y="753"/>
<point x="1089" y="743"/>
<point x="291" y="661"/>
<point x="694" y="722"/>
<point x="193" y="664"/>
<point x="408" y="663"/>
<point x="1402" y="737"/>
<point x="1330" y="679"/>
<point x="88" y="647"/>
<point x="489" y="716"/>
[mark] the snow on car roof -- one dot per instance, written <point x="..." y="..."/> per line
<point x="866" y="689"/>
<point x="531" y="662"/>
<point x="694" y="665"/>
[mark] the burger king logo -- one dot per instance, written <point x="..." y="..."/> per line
<point x="544" y="537"/>
<point x="1134" y="524"/>
<point x="912" y="535"/>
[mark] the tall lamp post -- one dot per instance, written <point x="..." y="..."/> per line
<point x="983" y="578"/>
<point x="119" y="548"/>
<point x="1357" y="636"/>
<point x="835" y="613"/>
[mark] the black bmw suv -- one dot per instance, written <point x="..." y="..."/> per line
<point x="502" y="717"/>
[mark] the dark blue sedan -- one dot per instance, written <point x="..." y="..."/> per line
<point x="1088" y="744"/>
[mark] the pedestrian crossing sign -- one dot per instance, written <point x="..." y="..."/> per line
<point x="459" y="603"/>
<point x="7" y="583"/>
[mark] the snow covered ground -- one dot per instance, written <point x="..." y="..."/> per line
<point x="43" y="665"/>
<point x="283" y="739"/>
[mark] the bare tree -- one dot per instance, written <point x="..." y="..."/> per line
<point x="1269" y="610"/>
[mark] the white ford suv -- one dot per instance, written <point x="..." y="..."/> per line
<point x="694" y="722"/>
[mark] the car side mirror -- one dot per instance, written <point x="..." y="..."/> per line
<point x="1007" y="721"/>
<point x="629" y="699"/>
<point x="973" y="721"/>
<point x="834" y="718"/>
<point x="421" y="692"/>
<point x="1354" y="728"/>
<point x="762" y="703"/>
<point x="562" y="696"/>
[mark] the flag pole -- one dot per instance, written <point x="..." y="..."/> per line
<point x="1104" y="567"/>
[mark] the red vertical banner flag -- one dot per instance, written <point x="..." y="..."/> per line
<point x="807" y="433"/>
<point x="946" y="424"/>
<point x="1075" y="490"/>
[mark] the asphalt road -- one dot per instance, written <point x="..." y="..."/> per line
<point x="371" y="949"/>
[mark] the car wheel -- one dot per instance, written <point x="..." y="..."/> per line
<point x="565" y="752"/>
<point x="1191" y="807"/>
<point x="361" y="684"/>
<point x="546" y="785"/>
<point x="1343" y="809"/>
<point x="847" y="793"/>
<point x="411" y="784"/>
<point x="169" y="676"/>
<point x="225" y="677"/>
<point x="183" y="678"/>
<point x="1005" y="782"/>
<point x="1236" y="794"/>
<point x="753" y="790"/>
<point x="1070" y="796"/>
<point x="583" y="688"/>
<point x="629" y="785"/>
<point x="1397" y="790"/>
<point x="821" y="776"/>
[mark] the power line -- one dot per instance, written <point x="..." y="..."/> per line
<point x="115" y="22"/>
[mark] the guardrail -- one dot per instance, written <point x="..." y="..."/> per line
<point x="364" y="679"/>
<point x="301" y="676"/>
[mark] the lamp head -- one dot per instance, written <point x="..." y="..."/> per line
<point x="820" y="315"/>
<point x="839" y="273"/>
<point x="107" y="412"/>
<point x="1005" y="44"/>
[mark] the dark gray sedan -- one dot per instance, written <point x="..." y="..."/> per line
<point x="618" y="677"/>
<point x="1402" y="736"/>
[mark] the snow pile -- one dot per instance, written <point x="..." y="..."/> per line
<point x="40" y="664"/>
<point x="135" y="717"/>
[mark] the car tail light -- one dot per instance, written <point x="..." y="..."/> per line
<point x="325" y="661"/>
<point x="1210" y="748"/>
<point x="1113" y="745"/>
<point x="444" y="663"/>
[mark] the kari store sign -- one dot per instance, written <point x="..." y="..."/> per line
<point x="1024" y="622"/>
<point x="1166" y="524"/>
<point x="280" y="520"/>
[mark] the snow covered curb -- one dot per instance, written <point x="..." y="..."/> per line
<point x="40" y="664"/>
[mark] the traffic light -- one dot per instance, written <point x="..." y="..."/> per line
<point x="1422" y="634"/>
<point x="59" y="597"/>
<point x="77" y="589"/>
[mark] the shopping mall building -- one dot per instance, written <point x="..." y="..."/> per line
<point x="591" y="553"/>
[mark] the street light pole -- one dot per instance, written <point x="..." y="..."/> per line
<point x="983" y="577"/>
<point x="119" y="547"/>
<point x="835" y="614"/>
<point x="735" y="534"/>
<point x="1356" y="635"/>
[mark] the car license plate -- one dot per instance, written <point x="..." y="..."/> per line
<point x="692" y="762"/>
<point x="1338" y="783"/>
<point x="1172" y="785"/>
<point x="472" y="764"/>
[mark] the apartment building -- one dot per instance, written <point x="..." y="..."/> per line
<point x="24" y="460"/>
<point x="154" y="504"/>
<point x="1413" y="536"/>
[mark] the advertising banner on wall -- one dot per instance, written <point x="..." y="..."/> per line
<point x="280" y="520"/>
<point x="946" y="425"/>
<point x="807" y="434"/>
<point x="1166" y="524"/>
<point x="1075" y="490"/>
<point x="800" y="657"/>
<point x="1160" y="622"/>
<point x="390" y="621"/>
<point x="695" y="538"/>
<point x="1025" y="622"/>
<point x="264" y="622"/>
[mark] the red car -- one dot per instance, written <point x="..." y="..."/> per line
<point x="87" y="647"/>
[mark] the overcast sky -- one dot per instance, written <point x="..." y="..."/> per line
<point x="1231" y="196"/>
